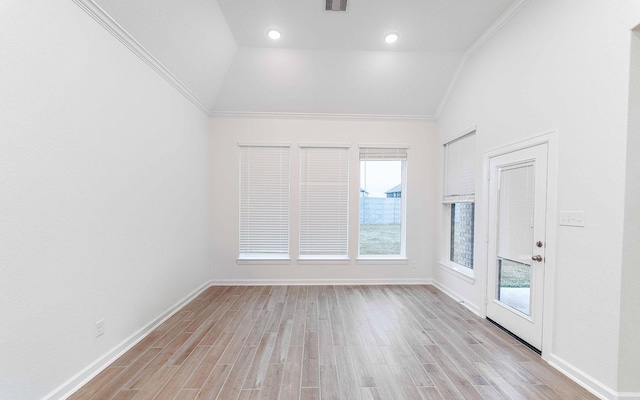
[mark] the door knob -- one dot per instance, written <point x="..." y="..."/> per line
<point x="537" y="258"/>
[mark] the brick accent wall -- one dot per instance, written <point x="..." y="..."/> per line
<point x="462" y="233"/>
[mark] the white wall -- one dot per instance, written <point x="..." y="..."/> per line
<point x="421" y="201"/>
<point x="562" y="65"/>
<point x="629" y="364"/>
<point x="104" y="193"/>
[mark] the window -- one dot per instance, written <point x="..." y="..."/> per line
<point x="459" y="198"/>
<point x="324" y="202"/>
<point x="264" y="201"/>
<point x="382" y="208"/>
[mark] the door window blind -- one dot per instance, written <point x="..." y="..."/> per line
<point x="324" y="202"/>
<point x="459" y="183"/>
<point x="264" y="201"/>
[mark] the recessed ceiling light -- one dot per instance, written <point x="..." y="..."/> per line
<point x="274" y="34"/>
<point x="391" y="37"/>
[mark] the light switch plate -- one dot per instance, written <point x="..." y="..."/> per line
<point x="573" y="218"/>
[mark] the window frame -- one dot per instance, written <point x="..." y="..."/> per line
<point x="260" y="257"/>
<point x="324" y="258"/>
<point x="387" y="258"/>
<point x="448" y="200"/>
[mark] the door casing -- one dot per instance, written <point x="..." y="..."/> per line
<point x="551" y="220"/>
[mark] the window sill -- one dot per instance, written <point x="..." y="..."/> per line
<point x="464" y="273"/>
<point x="263" y="261"/>
<point x="382" y="261"/>
<point x="323" y="261"/>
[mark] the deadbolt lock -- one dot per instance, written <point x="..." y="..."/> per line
<point x="539" y="243"/>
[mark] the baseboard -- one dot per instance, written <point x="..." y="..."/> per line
<point x="588" y="382"/>
<point x="81" y="378"/>
<point x="464" y="302"/>
<point x="319" y="282"/>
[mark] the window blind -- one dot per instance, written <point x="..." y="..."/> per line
<point x="264" y="201"/>
<point x="382" y="154"/>
<point x="459" y="183"/>
<point x="324" y="202"/>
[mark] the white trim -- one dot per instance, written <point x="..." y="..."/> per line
<point x="263" y="261"/>
<point x="551" y="139"/>
<point x="322" y="116"/>
<point x="502" y="20"/>
<point x="264" y="144"/>
<point x="382" y="260"/>
<point x="464" y="273"/>
<point x="324" y="145"/>
<point x="458" y="135"/>
<point x="89" y="372"/>
<point x="464" y="302"/>
<point x="586" y="381"/>
<point x="320" y="282"/>
<point x="384" y="146"/>
<point x="459" y="199"/>
<point x="108" y="23"/>
<point x="314" y="260"/>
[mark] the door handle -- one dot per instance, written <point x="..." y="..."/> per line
<point x="537" y="258"/>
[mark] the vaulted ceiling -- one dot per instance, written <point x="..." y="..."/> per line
<point x="326" y="62"/>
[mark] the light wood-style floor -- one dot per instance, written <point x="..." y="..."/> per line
<point x="328" y="342"/>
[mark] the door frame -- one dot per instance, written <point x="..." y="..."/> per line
<point x="550" y="138"/>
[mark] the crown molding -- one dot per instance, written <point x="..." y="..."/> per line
<point x="325" y="116"/>
<point x="108" y="23"/>
<point x="502" y="20"/>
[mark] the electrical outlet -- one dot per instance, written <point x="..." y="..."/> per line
<point x="100" y="328"/>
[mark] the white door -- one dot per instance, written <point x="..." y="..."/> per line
<point x="517" y="209"/>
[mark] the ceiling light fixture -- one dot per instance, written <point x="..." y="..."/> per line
<point x="391" y="37"/>
<point x="274" y="34"/>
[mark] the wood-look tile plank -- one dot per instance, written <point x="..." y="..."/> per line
<point x="274" y="318"/>
<point x="140" y="348"/>
<point x="326" y="355"/>
<point x="444" y="385"/>
<point x="219" y="327"/>
<point x="329" y="388"/>
<point x="349" y="389"/>
<point x="310" y="365"/>
<point x="126" y="395"/>
<point x="310" y="394"/>
<point x="187" y="394"/>
<point x="249" y="395"/>
<point x="461" y="383"/>
<point x="283" y="339"/>
<point x="297" y="331"/>
<point x="258" y="370"/>
<point x="117" y="383"/>
<point x="253" y="340"/>
<point x="290" y="302"/>
<point x="156" y="382"/>
<point x="272" y="381"/>
<point x="430" y="393"/>
<point x="559" y="383"/>
<point x="237" y="342"/>
<point x="214" y="382"/>
<point x="232" y="387"/>
<point x="202" y="371"/>
<point x="97" y="383"/>
<point x="290" y="387"/>
<point x="362" y="368"/>
<point x="177" y="381"/>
